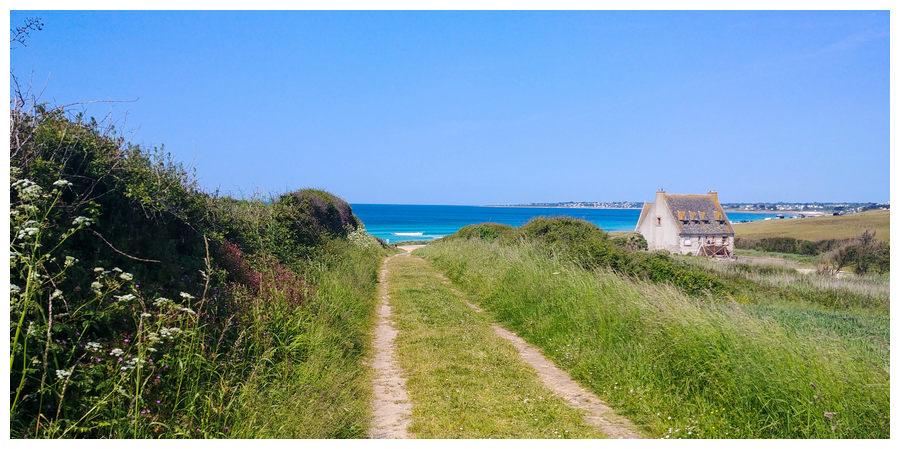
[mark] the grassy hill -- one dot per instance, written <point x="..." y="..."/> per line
<point x="820" y="228"/>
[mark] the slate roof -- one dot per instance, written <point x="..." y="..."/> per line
<point x="696" y="214"/>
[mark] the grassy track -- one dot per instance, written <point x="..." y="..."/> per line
<point x="677" y="365"/>
<point x="465" y="381"/>
<point x="820" y="228"/>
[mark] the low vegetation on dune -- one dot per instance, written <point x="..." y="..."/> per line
<point x="754" y="353"/>
<point x="142" y="306"/>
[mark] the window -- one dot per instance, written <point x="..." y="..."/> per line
<point x="725" y="240"/>
<point x="687" y="241"/>
<point x="659" y="221"/>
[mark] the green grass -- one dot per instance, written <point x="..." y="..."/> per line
<point x="707" y="368"/>
<point x="464" y="380"/>
<point x="774" y="283"/>
<point x="820" y="228"/>
<point x="312" y="381"/>
<point x="804" y="259"/>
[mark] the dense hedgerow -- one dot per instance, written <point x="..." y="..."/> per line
<point x="142" y="306"/>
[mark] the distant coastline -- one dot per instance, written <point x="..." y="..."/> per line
<point x="526" y="206"/>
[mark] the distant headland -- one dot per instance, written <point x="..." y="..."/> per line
<point x="729" y="207"/>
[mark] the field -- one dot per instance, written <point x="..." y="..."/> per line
<point x="820" y="228"/>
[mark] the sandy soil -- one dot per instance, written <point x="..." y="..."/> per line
<point x="390" y="405"/>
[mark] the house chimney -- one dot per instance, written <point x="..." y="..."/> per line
<point x="714" y="195"/>
<point x="660" y="196"/>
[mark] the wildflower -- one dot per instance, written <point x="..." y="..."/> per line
<point x="116" y="352"/>
<point x="14" y="289"/>
<point x="186" y="295"/>
<point x="126" y="276"/>
<point x="82" y="221"/>
<point x="161" y="301"/>
<point x="56" y="294"/>
<point x="188" y="310"/>
<point x="62" y="374"/>
<point x="125" y="298"/>
<point x="70" y="261"/>
<point x="98" y="269"/>
<point x="93" y="346"/>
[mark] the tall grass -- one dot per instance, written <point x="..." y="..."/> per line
<point x="680" y="366"/>
<point x="874" y="288"/>
<point x="311" y="381"/>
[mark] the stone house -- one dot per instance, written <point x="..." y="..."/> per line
<point x="687" y="224"/>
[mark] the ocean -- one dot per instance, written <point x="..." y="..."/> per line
<point x="403" y="222"/>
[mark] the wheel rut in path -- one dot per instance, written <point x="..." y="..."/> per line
<point x="391" y="406"/>
<point x="597" y="412"/>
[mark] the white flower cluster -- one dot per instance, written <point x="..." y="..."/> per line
<point x="359" y="237"/>
<point x="169" y="333"/>
<point x="81" y="220"/>
<point x="62" y="373"/>
<point x="186" y="295"/>
<point x="188" y="310"/>
<point x="160" y="302"/>
<point x="14" y="289"/>
<point x="28" y="190"/>
<point x="30" y="228"/>
<point x="116" y="352"/>
<point x="70" y="261"/>
<point x="62" y="183"/>
<point x="133" y="363"/>
<point x="124" y="298"/>
<point x="93" y="346"/>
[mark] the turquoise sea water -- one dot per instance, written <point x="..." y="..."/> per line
<point x="403" y="222"/>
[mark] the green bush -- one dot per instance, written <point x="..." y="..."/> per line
<point x="485" y="231"/>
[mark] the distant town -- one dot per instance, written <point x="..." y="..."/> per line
<point x="840" y="208"/>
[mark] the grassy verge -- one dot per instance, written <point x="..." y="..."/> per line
<point x="679" y="366"/>
<point x="311" y="381"/>
<point x="465" y="381"/>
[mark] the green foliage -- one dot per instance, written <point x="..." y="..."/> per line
<point x="485" y="231"/>
<point x="584" y="242"/>
<point x="104" y="232"/>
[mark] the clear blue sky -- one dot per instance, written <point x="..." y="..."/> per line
<point x="490" y="107"/>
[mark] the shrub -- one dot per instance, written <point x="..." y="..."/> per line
<point x="485" y="231"/>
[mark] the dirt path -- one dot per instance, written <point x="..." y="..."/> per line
<point x="391" y="406"/>
<point x="597" y="412"/>
<point x="560" y="383"/>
